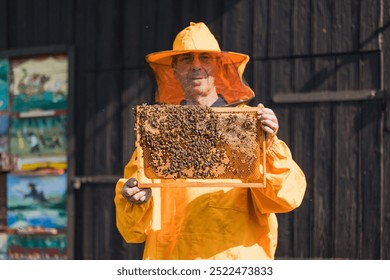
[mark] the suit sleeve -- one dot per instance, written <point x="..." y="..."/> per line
<point x="285" y="181"/>
<point x="132" y="220"/>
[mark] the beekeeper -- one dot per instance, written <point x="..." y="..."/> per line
<point x="208" y="222"/>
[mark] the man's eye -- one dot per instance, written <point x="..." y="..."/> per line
<point x="205" y="58"/>
<point x="186" y="59"/>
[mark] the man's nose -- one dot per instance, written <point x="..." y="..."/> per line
<point x="196" y="64"/>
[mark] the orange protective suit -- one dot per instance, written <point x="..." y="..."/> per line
<point x="213" y="223"/>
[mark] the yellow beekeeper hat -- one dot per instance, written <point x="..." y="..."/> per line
<point x="198" y="38"/>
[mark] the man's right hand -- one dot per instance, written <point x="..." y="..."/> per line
<point x="133" y="194"/>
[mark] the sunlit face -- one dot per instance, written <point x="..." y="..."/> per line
<point x="195" y="73"/>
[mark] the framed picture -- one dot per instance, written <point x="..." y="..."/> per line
<point x="39" y="83"/>
<point x="38" y="136"/>
<point x="36" y="202"/>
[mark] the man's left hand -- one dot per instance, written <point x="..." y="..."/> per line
<point x="268" y="119"/>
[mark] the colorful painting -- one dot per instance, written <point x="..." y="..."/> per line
<point x="4" y="69"/>
<point x="39" y="83"/>
<point x="3" y="202"/>
<point x="38" y="136"/>
<point x="36" y="201"/>
<point x="3" y="246"/>
<point x="37" y="247"/>
<point x="4" y="122"/>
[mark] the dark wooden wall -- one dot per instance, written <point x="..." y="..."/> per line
<point x="341" y="47"/>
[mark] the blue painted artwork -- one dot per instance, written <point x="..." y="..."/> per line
<point x="36" y="201"/>
<point x="4" y="69"/>
<point x="4" y="123"/>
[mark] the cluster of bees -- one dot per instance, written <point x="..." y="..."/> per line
<point x="195" y="142"/>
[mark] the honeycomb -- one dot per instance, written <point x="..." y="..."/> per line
<point x="198" y="142"/>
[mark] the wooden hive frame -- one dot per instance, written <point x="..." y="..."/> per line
<point x="147" y="179"/>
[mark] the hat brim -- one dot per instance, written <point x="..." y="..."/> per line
<point x="165" y="57"/>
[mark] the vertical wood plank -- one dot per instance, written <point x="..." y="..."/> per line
<point x="107" y="132"/>
<point x="321" y="26"/>
<point x="26" y="27"/>
<point x="323" y="158"/>
<point x="71" y="156"/>
<point x="324" y="73"/>
<point x="209" y="12"/>
<point x="165" y="33"/>
<point x="114" y="240"/>
<point x="322" y="182"/>
<point x="108" y="46"/>
<point x="385" y="210"/>
<point x="78" y="126"/>
<point x="54" y="17"/>
<point x="260" y="83"/>
<point x="369" y="24"/>
<point x="38" y="15"/>
<point x="302" y="75"/>
<point x="60" y="17"/>
<point x="149" y="26"/>
<point x="302" y="151"/>
<point x="90" y="122"/>
<point x="237" y="29"/>
<point x="68" y="10"/>
<point x="345" y="35"/>
<point x="371" y="161"/>
<point x="132" y="55"/>
<point x="77" y="250"/>
<point x="18" y="23"/>
<point x="97" y="216"/>
<point x="301" y="27"/>
<point x="186" y="11"/>
<point x="260" y="29"/>
<point x="346" y="163"/>
<point x="80" y="84"/>
<point x="3" y="24"/>
<point x="370" y="71"/>
<point x="280" y="33"/>
<point x="87" y="211"/>
<point x="90" y="32"/>
<point x="346" y="183"/>
<point x="371" y="147"/>
<point x="104" y="218"/>
<point x="102" y="131"/>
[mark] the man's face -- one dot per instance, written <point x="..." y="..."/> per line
<point x="195" y="73"/>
